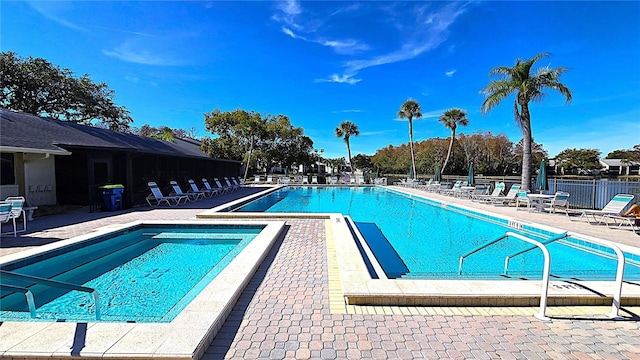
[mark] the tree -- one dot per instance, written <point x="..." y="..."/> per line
<point x="238" y="131"/>
<point x="345" y="130"/>
<point x="409" y="110"/>
<point x="362" y="162"/>
<point x="451" y="119"/>
<point x="37" y="87"/>
<point x="630" y="154"/>
<point x="518" y="80"/>
<point x="580" y="160"/>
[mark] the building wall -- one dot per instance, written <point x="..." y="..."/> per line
<point x="39" y="182"/>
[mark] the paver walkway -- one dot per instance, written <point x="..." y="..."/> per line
<point x="285" y="313"/>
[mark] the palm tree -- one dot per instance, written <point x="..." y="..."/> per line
<point x="409" y="110"/>
<point x="518" y="80"/>
<point x="345" y="130"/>
<point x="451" y="119"/>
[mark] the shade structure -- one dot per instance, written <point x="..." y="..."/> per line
<point x="437" y="176"/>
<point x="470" y="178"/>
<point x="541" y="178"/>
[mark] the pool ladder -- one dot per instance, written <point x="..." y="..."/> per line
<point x="616" y="303"/>
<point x="8" y="275"/>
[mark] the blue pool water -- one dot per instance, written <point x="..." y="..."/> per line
<point x="429" y="239"/>
<point x="147" y="274"/>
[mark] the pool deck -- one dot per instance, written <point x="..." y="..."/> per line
<point x="293" y="308"/>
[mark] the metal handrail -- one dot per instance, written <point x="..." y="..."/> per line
<point x="617" y="295"/>
<point x="545" y="273"/>
<point x="545" y="243"/>
<point x="476" y="250"/>
<point x="53" y="283"/>
<point x="27" y="293"/>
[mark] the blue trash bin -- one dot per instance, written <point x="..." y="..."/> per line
<point x="112" y="196"/>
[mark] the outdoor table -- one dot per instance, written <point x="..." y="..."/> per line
<point x="537" y="200"/>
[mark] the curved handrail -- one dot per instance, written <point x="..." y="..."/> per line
<point x="54" y="283"/>
<point x="545" y="273"/>
<point x="476" y="250"/>
<point x="545" y="243"/>
<point x="27" y="293"/>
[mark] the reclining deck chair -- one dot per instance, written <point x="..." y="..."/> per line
<point x="206" y="192"/>
<point x="190" y="195"/>
<point x="156" y="198"/>
<point x="614" y="207"/>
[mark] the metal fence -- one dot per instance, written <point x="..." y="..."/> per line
<point x="594" y="194"/>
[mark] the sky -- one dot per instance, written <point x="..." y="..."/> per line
<point x="324" y="62"/>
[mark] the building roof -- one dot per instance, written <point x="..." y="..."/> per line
<point x="20" y="132"/>
<point x="617" y="162"/>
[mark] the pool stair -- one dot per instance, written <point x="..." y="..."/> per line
<point x="387" y="256"/>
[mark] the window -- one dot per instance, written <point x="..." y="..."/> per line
<point x="7" y="173"/>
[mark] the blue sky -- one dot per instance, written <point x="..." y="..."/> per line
<point x="321" y="63"/>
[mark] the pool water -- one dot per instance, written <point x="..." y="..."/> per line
<point x="146" y="275"/>
<point x="429" y="239"/>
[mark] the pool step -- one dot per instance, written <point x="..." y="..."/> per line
<point x="386" y="255"/>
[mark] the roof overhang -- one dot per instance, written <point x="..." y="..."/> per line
<point x="12" y="149"/>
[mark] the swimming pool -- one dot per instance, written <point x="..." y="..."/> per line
<point x="142" y="274"/>
<point x="190" y="331"/>
<point x="429" y="239"/>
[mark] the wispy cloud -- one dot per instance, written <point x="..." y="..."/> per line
<point x="53" y="10"/>
<point x="342" y="79"/>
<point x="122" y="31"/>
<point x="420" y="27"/>
<point x="348" y="111"/>
<point x="127" y="52"/>
<point x="426" y="115"/>
<point x="376" y="133"/>
<point x="450" y="72"/>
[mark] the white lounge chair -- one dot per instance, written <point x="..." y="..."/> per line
<point x="156" y="198"/>
<point x="177" y="191"/>
<point x="314" y="179"/>
<point x="5" y="215"/>
<point x="222" y="187"/>
<point x="509" y="198"/>
<point x="614" y="207"/>
<point x="305" y="179"/>
<point x="269" y="179"/>
<point x="206" y="192"/>
<point x="218" y="189"/>
<point x="17" y="209"/>
<point x="230" y="184"/>
<point x="497" y="191"/>
<point x="560" y="200"/>
<point x="256" y="179"/>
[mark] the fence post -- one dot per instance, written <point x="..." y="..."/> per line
<point x="593" y="205"/>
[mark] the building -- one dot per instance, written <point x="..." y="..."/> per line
<point x="58" y="162"/>
<point x="620" y="167"/>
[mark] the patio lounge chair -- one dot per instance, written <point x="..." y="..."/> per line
<point x="496" y="193"/>
<point x="269" y="179"/>
<point x="156" y="198"/>
<point x="5" y="215"/>
<point x="206" y="192"/>
<point x="178" y="191"/>
<point x="509" y="198"/>
<point x="217" y="189"/>
<point x="230" y="184"/>
<point x="559" y="200"/>
<point x="17" y="209"/>
<point x="256" y="179"/>
<point x="314" y="179"/>
<point x="221" y="187"/>
<point x="614" y="207"/>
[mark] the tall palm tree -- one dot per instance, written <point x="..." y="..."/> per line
<point x="527" y="87"/>
<point x="345" y="130"/>
<point x="451" y="119"/>
<point x="410" y="110"/>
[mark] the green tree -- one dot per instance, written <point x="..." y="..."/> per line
<point x="37" y="87"/>
<point x="410" y="110"/>
<point x="345" y="130"/>
<point x="451" y="119"/>
<point x="527" y="87"/>
<point x="580" y="160"/>
<point x="629" y="154"/>
<point x="363" y="162"/>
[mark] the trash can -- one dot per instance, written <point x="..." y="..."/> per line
<point x="112" y="196"/>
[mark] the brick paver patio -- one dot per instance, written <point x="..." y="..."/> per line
<point x="286" y="313"/>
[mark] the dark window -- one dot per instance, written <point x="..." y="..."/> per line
<point x="7" y="173"/>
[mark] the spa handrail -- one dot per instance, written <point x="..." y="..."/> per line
<point x="54" y="283"/>
<point x="27" y="293"/>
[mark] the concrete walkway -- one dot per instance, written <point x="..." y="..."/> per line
<point x="286" y="311"/>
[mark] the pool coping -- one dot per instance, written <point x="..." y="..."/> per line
<point x="187" y="336"/>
